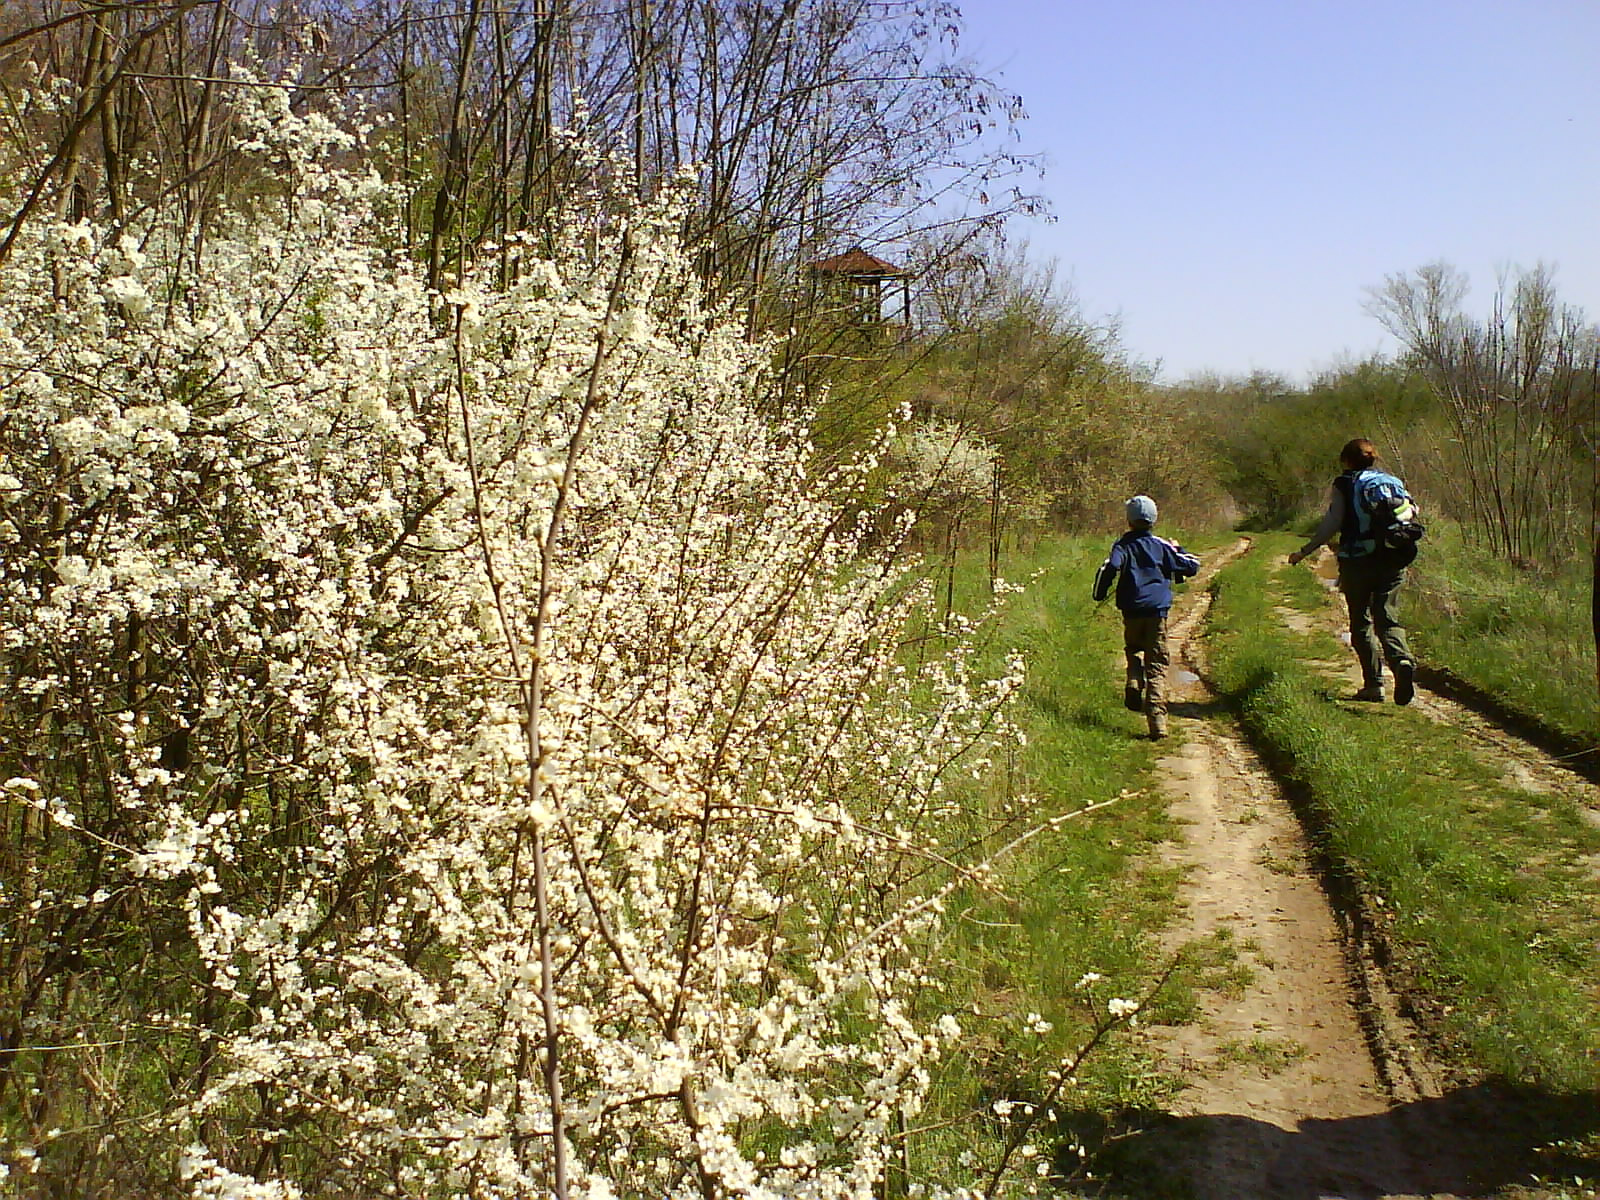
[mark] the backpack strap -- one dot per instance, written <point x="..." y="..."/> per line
<point x="1355" y="532"/>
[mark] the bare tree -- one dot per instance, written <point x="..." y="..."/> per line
<point x="148" y="81"/>
<point x="812" y="126"/>
<point x="1519" y="390"/>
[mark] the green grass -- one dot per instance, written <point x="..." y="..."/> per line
<point x="1088" y="896"/>
<point x="1519" y="635"/>
<point x="1268" y="1055"/>
<point x="1487" y="900"/>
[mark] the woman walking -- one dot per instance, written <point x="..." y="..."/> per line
<point x="1364" y="505"/>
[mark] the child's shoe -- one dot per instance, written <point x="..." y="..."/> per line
<point x="1372" y="692"/>
<point x="1133" y="696"/>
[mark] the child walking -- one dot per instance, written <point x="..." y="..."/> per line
<point x="1147" y="565"/>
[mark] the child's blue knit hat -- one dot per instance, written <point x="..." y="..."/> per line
<point x="1141" y="510"/>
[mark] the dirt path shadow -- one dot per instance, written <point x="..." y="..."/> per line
<point x="1469" y="1144"/>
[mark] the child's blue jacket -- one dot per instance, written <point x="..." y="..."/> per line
<point x="1147" y="565"/>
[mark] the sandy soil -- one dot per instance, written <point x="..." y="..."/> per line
<point x="1309" y="1084"/>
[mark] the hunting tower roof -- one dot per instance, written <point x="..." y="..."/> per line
<point x="856" y="261"/>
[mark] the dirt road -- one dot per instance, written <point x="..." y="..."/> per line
<point x="1308" y="1084"/>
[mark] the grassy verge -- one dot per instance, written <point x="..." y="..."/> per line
<point x="1520" y="636"/>
<point x="1083" y="901"/>
<point x="1487" y="891"/>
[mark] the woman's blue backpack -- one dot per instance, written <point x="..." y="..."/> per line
<point x="1387" y="516"/>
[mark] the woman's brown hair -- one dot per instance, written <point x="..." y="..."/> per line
<point x="1359" y="454"/>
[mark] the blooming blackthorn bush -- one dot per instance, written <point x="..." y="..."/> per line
<point x="453" y="744"/>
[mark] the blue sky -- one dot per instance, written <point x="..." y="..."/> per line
<point x="1229" y="177"/>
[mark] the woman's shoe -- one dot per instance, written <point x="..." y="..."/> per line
<point x="1405" y="683"/>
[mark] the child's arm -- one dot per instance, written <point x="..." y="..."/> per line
<point x="1182" y="564"/>
<point x="1107" y="574"/>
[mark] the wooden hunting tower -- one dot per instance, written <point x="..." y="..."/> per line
<point x="853" y="285"/>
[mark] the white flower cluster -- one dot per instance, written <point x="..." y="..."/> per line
<point x="519" y="732"/>
<point x="944" y="462"/>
